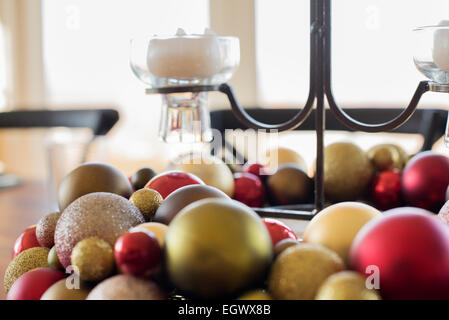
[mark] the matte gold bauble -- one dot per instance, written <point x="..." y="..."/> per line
<point x="92" y="177"/>
<point x="45" y="229"/>
<point x="386" y="157"/>
<point x="282" y="245"/>
<point x="216" y="247"/>
<point x="212" y="170"/>
<point x="147" y="201"/>
<point x="53" y="260"/>
<point x="255" y="295"/>
<point x="289" y="185"/>
<point x="25" y="261"/>
<point x="180" y="198"/>
<point x="103" y="215"/>
<point x="336" y="226"/>
<point x="347" y="171"/>
<point x="126" y="287"/>
<point x="299" y="271"/>
<point x="279" y="156"/>
<point x="159" y="230"/>
<point x="94" y="259"/>
<point x="346" y="285"/>
<point x="60" y="291"/>
<point x="141" y="177"/>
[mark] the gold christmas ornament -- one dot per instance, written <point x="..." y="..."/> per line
<point x="283" y="245"/>
<point x="336" y="226"/>
<point x="100" y="214"/>
<point x="180" y="198"/>
<point x="147" y="201"/>
<point x="53" y="260"/>
<point x="45" y="229"/>
<point x="92" y="177"/>
<point x="212" y="170"/>
<point x="346" y="285"/>
<point x="347" y="171"/>
<point x="279" y="156"/>
<point x="25" y="261"/>
<point x="387" y="156"/>
<point x="216" y="247"/>
<point x="94" y="259"/>
<point x="159" y="230"/>
<point x="126" y="287"/>
<point x="60" y="291"/>
<point x="258" y="294"/>
<point x="289" y="185"/>
<point x="299" y="271"/>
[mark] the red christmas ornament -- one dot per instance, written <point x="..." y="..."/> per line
<point x="248" y="189"/>
<point x="25" y="241"/>
<point x="33" y="284"/>
<point x="256" y="169"/>
<point x="138" y="253"/>
<point x="407" y="251"/>
<point x="167" y="182"/>
<point x="386" y="189"/>
<point x="425" y="180"/>
<point x="278" y="231"/>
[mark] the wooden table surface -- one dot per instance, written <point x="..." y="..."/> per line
<point x="20" y="207"/>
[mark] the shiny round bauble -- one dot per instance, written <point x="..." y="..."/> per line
<point x="282" y="245"/>
<point x="255" y="295"/>
<point x="410" y="249"/>
<point x="424" y="181"/>
<point x="26" y="240"/>
<point x="299" y="271"/>
<point x="45" y="229"/>
<point x="336" y="226"/>
<point x="346" y="285"/>
<point x="249" y="189"/>
<point x="138" y="253"/>
<point x="60" y="291"/>
<point x="93" y="259"/>
<point x="289" y="185"/>
<point x="347" y="171"/>
<point x="92" y="177"/>
<point x="147" y="201"/>
<point x="257" y="169"/>
<point x="25" y="261"/>
<point x="280" y="156"/>
<point x="386" y="189"/>
<point x="278" y="231"/>
<point x="167" y="182"/>
<point x="141" y="177"/>
<point x="180" y="198"/>
<point x="103" y="215"/>
<point x="211" y="170"/>
<point x="387" y="157"/>
<point x="216" y="247"/>
<point x="159" y="230"/>
<point x="53" y="260"/>
<point x="32" y="284"/>
<point x="126" y="287"/>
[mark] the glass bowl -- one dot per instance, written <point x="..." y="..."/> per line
<point x="183" y="59"/>
<point x="431" y="54"/>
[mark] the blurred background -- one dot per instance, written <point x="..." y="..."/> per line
<point x="65" y="54"/>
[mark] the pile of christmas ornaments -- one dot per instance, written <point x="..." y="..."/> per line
<point x="179" y="234"/>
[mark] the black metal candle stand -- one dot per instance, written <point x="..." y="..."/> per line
<point x="320" y="88"/>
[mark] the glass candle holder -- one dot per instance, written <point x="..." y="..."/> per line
<point x="185" y="60"/>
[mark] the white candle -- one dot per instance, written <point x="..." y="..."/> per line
<point x="185" y="57"/>
<point x="441" y="47"/>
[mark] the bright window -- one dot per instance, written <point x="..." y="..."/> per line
<point x="2" y="69"/>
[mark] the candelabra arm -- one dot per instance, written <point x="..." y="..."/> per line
<point x="354" y="124"/>
<point x="247" y="120"/>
